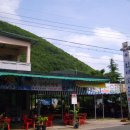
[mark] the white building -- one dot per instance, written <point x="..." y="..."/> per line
<point x="12" y="50"/>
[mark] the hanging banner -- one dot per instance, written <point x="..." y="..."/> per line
<point x="90" y="85"/>
<point x="46" y="102"/>
<point x="111" y="89"/>
<point x="126" y="57"/>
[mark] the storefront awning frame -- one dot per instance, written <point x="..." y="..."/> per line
<point x="54" y="77"/>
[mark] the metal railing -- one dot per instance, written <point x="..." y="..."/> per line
<point x="13" y="65"/>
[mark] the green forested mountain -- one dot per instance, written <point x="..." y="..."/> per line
<point x="45" y="57"/>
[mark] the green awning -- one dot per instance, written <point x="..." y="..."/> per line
<point x="53" y="77"/>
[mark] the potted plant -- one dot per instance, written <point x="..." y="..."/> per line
<point x="3" y="126"/>
<point x="3" y="122"/>
<point x="41" y="122"/>
<point x="76" y="122"/>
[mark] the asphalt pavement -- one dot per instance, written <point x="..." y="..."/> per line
<point x="124" y="127"/>
<point x="92" y="124"/>
<point x="110" y="124"/>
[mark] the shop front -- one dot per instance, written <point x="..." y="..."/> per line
<point x="20" y="92"/>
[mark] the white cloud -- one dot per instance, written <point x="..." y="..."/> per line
<point x="100" y="62"/>
<point x="8" y="7"/>
<point x="109" y="35"/>
<point x="81" y="39"/>
<point x="104" y="37"/>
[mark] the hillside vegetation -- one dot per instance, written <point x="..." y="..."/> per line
<point x="45" y="57"/>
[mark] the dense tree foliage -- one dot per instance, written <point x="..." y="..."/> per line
<point x="113" y="74"/>
<point x="45" y="57"/>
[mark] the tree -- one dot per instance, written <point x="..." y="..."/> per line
<point x="113" y="74"/>
<point x="102" y="71"/>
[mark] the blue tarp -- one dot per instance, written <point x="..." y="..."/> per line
<point x="46" y="102"/>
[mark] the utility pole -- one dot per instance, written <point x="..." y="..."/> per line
<point x="126" y="56"/>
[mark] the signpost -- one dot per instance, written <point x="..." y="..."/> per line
<point x="126" y="57"/>
<point x="74" y="98"/>
<point x="74" y="101"/>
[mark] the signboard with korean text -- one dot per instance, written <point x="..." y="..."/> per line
<point x="108" y="89"/>
<point x="126" y="57"/>
<point x="111" y="89"/>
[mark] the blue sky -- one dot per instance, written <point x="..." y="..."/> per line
<point x="103" y="23"/>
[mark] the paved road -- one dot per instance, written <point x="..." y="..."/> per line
<point x="123" y="127"/>
<point x="103" y="124"/>
<point x="112" y="124"/>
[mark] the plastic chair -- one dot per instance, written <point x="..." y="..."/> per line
<point x="8" y="120"/>
<point x="49" y="122"/>
<point x="66" y="119"/>
<point x="27" y="122"/>
<point x="81" y="121"/>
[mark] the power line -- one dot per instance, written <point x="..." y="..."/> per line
<point x="83" y="32"/>
<point x="106" y="59"/>
<point x="39" y="19"/>
<point x="45" y="24"/>
<point x="89" y="49"/>
<point x="95" y="58"/>
<point x="64" y="17"/>
<point x="44" y="27"/>
<point x="100" y="63"/>
<point x="60" y="27"/>
<point x="47" y="20"/>
<point x="81" y="44"/>
<point x="77" y="43"/>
